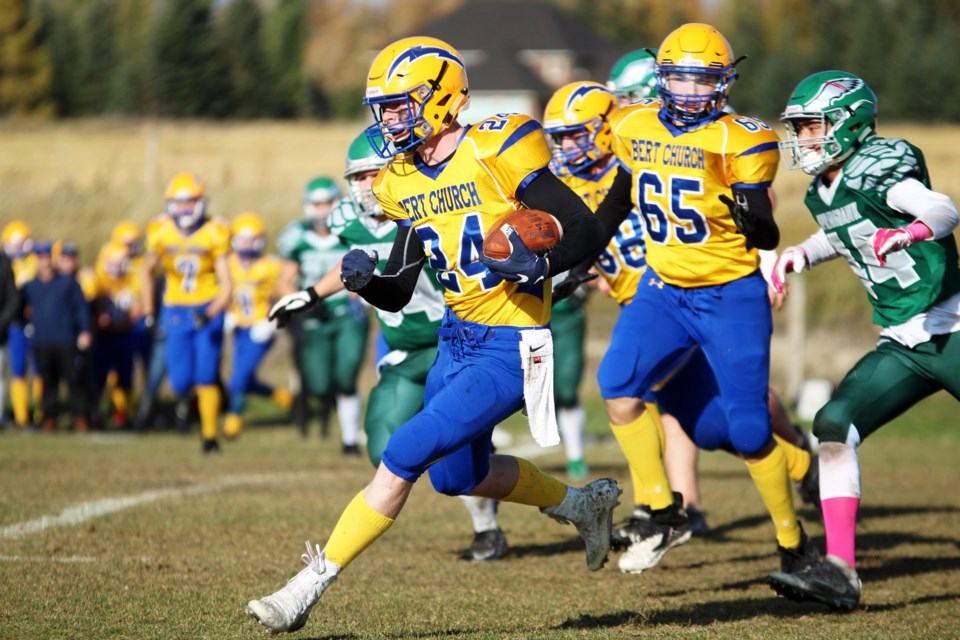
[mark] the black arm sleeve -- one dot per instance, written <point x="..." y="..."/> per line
<point x="616" y="205"/>
<point x="393" y="290"/>
<point x="582" y="233"/>
<point x="765" y="233"/>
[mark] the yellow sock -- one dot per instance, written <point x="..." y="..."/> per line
<point x="773" y="483"/>
<point x="642" y="443"/>
<point x="798" y="459"/>
<point x="359" y="526"/>
<point x="37" y="400"/>
<point x="536" y="488"/>
<point x="118" y="397"/>
<point x="283" y="398"/>
<point x="20" y="401"/>
<point x="208" y="403"/>
<point x="232" y="425"/>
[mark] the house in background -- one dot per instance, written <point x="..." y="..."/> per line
<point x="518" y="52"/>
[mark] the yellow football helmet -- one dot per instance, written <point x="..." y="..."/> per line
<point x="577" y="123"/>
<point x="249" y="236"/>
<point x="697" y="58"/>
<point x="422" y="83"/>
<point x="186" y="200"/>
<point x="114" y="259"/>
<point x="17" y="239"/>
<point x="128" y="233"/>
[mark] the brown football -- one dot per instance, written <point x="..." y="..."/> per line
<point x="539" y="230"/>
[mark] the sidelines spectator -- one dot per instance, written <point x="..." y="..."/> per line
<point x="59" y="324"/>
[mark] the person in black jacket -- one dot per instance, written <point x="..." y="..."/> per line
<point x="59" y="319"/>
<point x="9" y="311"/>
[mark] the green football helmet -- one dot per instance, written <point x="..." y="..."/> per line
<point x="634" y="76"/>
<point x="320" y="194"/>
<point x="847" y="111"/>
<point x="362" y="157"/>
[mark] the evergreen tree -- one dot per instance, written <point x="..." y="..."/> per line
<point x="249" y="73"/>
<point x="189" y="69"/>
<point x="95" y="62"/>
<point x="286" y="40"/>
<point x="130" y="85"/>
<point x="26" y="72"/>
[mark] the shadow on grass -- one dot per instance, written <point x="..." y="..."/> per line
<point x="442" y="633"/>
<point x="699" y="614"/>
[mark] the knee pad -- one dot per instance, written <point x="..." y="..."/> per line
<point x="832" y="423"/>
<point x="452" y="481"/>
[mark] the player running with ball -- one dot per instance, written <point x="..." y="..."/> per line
<point x="446" y="185"/>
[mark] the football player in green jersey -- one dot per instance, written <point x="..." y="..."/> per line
<point x="332" y="339"/>
<point x="871" y="197"/>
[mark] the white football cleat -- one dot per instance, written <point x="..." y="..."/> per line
<point x="289" y="608"/>
<point x="590" y="509"/>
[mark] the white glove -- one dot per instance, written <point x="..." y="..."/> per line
<point x="293" y="303"/>
<point x="792" y="260"/>
<point x="229" y="322"/>
<point x="263" y="331"/>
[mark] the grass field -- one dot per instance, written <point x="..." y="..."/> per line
<point x="142" y="537"/>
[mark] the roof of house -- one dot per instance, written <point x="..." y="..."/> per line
<point x="503" y="28"/>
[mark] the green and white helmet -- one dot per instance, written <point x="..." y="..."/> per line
<point x="362" y="157"/>
<point x="634" y="76"/>
<point x="319" y="191"/>
<point x="847" y="111"/>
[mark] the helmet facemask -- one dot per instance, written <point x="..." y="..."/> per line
<point x="187" y="212"/>
<point x="842" y="105"/>
<point x="363" y="196"/>
<point x="583" y="153"/>
<point x="248" y="245"/>
<point x="420" y="85"/>
<point x="693" y="108"/>
<point x="812" y="155"/>
<point x="404" y="134"/>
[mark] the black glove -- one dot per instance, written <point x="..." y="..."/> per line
<point x="293" y="303"/>
<point x="740" y="212"/>
<point x="357" y="267"/>
<point x="577" y="276"/>
<point x="523" y="265"/>
<point x="200" y="320"/>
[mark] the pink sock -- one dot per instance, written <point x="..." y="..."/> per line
<point x="840" y="521"/>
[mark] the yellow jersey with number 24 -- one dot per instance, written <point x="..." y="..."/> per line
<point x="450" y="207"/>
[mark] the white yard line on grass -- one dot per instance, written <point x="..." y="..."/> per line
<point x="88" y="510"/>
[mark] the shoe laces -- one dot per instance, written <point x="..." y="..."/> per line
<point x="314" y="558"/>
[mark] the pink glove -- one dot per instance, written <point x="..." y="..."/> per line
<point x="792" y="260"/>
<point x="886" y="241"/>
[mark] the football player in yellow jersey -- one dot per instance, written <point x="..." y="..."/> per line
<point x="682" y="158"/>
<point x="192" y="249"/>
<point x="577" y="124"/>
<point x="117" y="308"/>
<point x="18" y="245"/>
<point x="254" y="278"/>
<point x="633" y="78"/>
<point x="128" y="233"/>
<point x="446" y="185"/>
